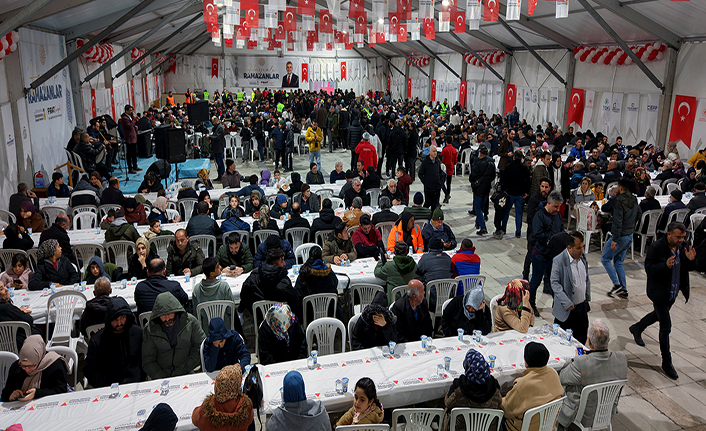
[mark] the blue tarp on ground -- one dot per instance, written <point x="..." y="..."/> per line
<point x="191" y="167"/>
<point x="188" y="169"/>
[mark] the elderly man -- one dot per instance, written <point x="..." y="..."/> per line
<point x="172" y="340"/>
<point x="393" y="193"/>
<point x="115" y="352"/>
<point x="599" y="366"/>
<point x="314" y="176"/>
<point x="184" y="256"/>
<point x="413" y="318"/>
<point x="338" y="173"/>
<point x="94" y="313"/>
<point x="438" y="229"/>
<point x="352" y="216"/>
<point x="156" y="282"/>
<point x="356" y="190"/>
<point x="385" y="214"/>
<point x="572" y="288"/>
<point x="338" y="246"/>
<point x="58" y="231"/>
<point x="432" y="177"/>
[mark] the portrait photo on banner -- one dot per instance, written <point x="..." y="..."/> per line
<point x="270" y="72"/>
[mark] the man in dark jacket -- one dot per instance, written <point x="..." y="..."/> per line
<point x="113" y="195"/>
<point x="129" y="131"/>
<point x="481" y="178"/>
<point x="269" y="281"/>
<point x="667" y="265"/>
<point x="412" y="313"/>
<point x="184" y="256"/>
<point x="376" y="325"/>
<point x="626" y="212"/>
<point x="532" y="205"/>
<point x="344" y="121"/>
<point x="314" y="176"/>
<point x="296" y="221"/>
<point x="432" y="177"/>
<point x="436" y="228"/>
<point x="355" y="134"/>
<point x="505" y="149"/>
<point x="385" y="214"/>
<point x="356" y="190"/>
<point x="58" y="232"/>
<point x="613" y="173"/>
<point x="95" y="310"/>
<point x="516" y="180"/>
<point x="327" y="220"/>
<point x="24" y="194"/>
<point x="218" y="144"/>
<point x="235" y="256"/>
<point x="115" y="352"/>
<point x="382" y="130"/>
<point x="468" y="312"/>
<point x="396" y="144"/>
<point x="223" y="347"/>
<point x="147" y="290"/>
<point x="271" y="243"/>
<point x="278" y="138"/>
<point x="393" y="193"/>
<point x="434" y="265"/>
<point x="545" y="224"/>
<point x="52" y="268"/>
<point x="201" y="223"/>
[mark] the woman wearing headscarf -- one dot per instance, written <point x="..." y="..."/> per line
<point x="642" y="181"/>
<point x="475" y="388"/>
<point x="298" y="412"/>
<point x="514" y="310"/>
<point x="30" y="218"/>
<point x="316" y="276"/>
<point x="376" y="325"/>
<point x="227" y="409"/>
<point x="406" y="230"/>
<point x="203" y="182"/>
<point x="137" y="266"/>
<point x="468" y="312"/>
<point x="36" y="374"/>
<point x="281" y="337"/>
<point x="52" y="267"/>
<point x="16" y="240"/>
<point x="162" y="418"/>
<point x="159" y="211"/>
<point x="264" y="221"/>
<point x="253" y="205"/>
<point x="205" y="196"/>
<point x="687" y="185"/>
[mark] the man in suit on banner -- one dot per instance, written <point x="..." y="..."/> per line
<point x="290" y="80"/>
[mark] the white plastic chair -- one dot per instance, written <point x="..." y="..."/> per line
<point x="671" y="187"/>
<point x="51" y="212"/>
<point x="85" y="220"/>
<point x="7" y="217"/>
<point x="6" y="360"/>
<point x="297" y="236"/>
<point x="471" y="281"/>
<point x="494" y="305"/>
<point x="8" y="335"/>
<point x="216" y="309"/>
<point x="476" y="419"/>
<point x="694" y="222"/>
<point x="385" y="227"/>
<point x="582" y="224"/>
<point x="607" y="393"/>
<point x="379" y="427"/>
<point x="547" y="415"/>
<point x="62" y="306"/>
<point x="320" y="236"/>
<point x="401" y="290"/>
<point x="303" y="251"/>
<point x="445" y="288"/>
<point x="85" y="252"/>
<point x="103" y="210"/>
<point x="144" y="319"/>
<point x="324" y="194"/>
<point x="325" y="331"/>
<point x="465" y="161"/>
<point x="320" y="304"/>
<point x="84" y="208"/>
<point x="207" y="244"/>
<point x="650" y="217"/>
<point x="417" y="419"/>
<point x="7" y="254"/>
<point x="71" y="358"/>
<point x="259" y="311"/>
<point x="119" y="250"/>
<point x="374" y="196"/>
<point x="351" y="324"/>
<point x="186" y="207"/>
<point x="676" y="215"/>
<point x="337" y="203"/>
<point x="656" y="185"/>
<point x="366" y="293"/>
<point x="421" y="223"/>
<point x="262" y="235"/>
<point x="91" y="330"/>
<point x="446" y="303"/>
<point x="172" y="214"/>
<point x="161" y="243"/>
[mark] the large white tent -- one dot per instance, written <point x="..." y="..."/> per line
<point x="68" y="61"/>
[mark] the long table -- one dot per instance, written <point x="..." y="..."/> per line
<point x="409" y="377"/>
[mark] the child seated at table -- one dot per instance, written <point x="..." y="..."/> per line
<point x="366" y="405"/>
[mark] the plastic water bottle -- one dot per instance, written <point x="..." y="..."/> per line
<point x="312" y="361"/>
<point x="411" y="250"/>
<point x="213" y="217"/>
<point x="123" y="283"/>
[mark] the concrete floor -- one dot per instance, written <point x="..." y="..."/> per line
<point x="651" y="401"/>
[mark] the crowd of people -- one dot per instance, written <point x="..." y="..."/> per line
<point x="541" y="172"/>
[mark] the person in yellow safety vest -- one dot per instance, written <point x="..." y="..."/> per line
<point x="280" y="107"/>
<point x="367" y="112"/>
<point x="240" y="95"/>
<point x="205" y="95"/>
<point x="427" y="109"/>
<point x="444" y="107"/>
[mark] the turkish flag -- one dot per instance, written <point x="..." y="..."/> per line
<point x="576" y="104"/>
<point x="460" y="22"/>
<point x="291" y="37"/>
<point x="409" y="87"/>
<point x="380" y="38"/>
<point x="389" y="83"/>
<point x="210" y="12"/>
<point x="361" y="22"/>
<point x="279" y="31"/>
<point x="429" y="28"/>
<point x="491" y="10"/>
<point x="448" y="7"/>
<point x="243" y="32"/>
<point x="305" y="72"/>
<point x="433" y="90"/>
<point x="93" y="103"/>
<point x="251" y="44"/>
<point x="112" y="101"/>
<point x="404" y="9"/>
<point x="510" y="98"/>
<point x="462" y="94"/>
<point x="357" y="7"/>
<point x="394" y="22"/>
<point x="402" y="33"/>
<point x="229" y="42"/>
<point x="245" y="25"/>
<point x="344" y="74"/>
<point x="290" y="19"/>
<point x="325" y="21"/>
<point x="683" y="118"/>
<point x="306" y="7"/>
<point x="253" y="17"/>
<point x="214" y="68"/>
<point x="132" y="91"/>
<point x="530" y="6"/>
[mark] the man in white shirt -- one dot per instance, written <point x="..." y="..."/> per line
<point x="572" y="288"/>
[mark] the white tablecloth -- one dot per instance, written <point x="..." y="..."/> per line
<point x="410" y="377"/>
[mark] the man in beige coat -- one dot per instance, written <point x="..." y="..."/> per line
<point x="539" y="386"/>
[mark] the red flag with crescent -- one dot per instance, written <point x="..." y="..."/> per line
<point x="433" y="90"/>
<point x="112" y="101"/>
<point x="361" y="22"/>
<point x="253" y="17"/>
<point x="389" y="83"/>
<point x="510" y="98"/>
<point x="251" y="44"/>
<point x="229" y="42"/>
<point x="404" y="9"/>
<point x="394" y="21"/>
<point x="132" y="91"/>
<point x="214" y="68"/>
<point x="462" y="94"/>
<point x="530" y="6"/>
<point x="245" y="26"/>
<point x="305" y="72"/>
<point x="306" y="7"/>
<point x="210" y="12"/>
<point x="683" y="118"/>
<point x="449" y="7"/>
<point x="460" y="22"/>
<point x="429" y="28"/>
<point x="290" y="19"/>
<point x="279" y="31"/>
<point x="409" y="88"/>
<point x="402" y="33"/>
<point x="357" y="7"/>
<point x="576" y="104"/>
<point x="491" y="10"/>
<point x="325" y="21"/>
<point x="344" y="73"/>
<point x="93" y="103"/>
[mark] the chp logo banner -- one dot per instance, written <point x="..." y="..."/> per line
<point x="49" y="106"/>
<point x="269" y="71"/>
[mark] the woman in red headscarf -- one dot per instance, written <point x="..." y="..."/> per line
<point x="514" y="310"/>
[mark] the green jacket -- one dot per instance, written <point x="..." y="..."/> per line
<point x="334" y="125"/>
<point x="336" y="247"/>
<point x="396" y="272"/>
<point x="243" y="259"/>
<point x="192" y="259"/>
<point x="124" y="232"/>
<point x="159" y="359"/>
<point x="211" y="290"/>
<point x="419" y="213"/>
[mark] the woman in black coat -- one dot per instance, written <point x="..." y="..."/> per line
<point x="376" y="325"/>
<point x="53" y="267"/>
<point x="316" y="276"/>
<point x="281" y="337"/>
<point x="36" y="374"/>
<point x="468" y="312"/>
<point x="13" y="240"/>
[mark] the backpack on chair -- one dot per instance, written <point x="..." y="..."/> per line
<point x="253" y="389"/>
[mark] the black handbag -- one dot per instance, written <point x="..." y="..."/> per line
<point x="253" y="389"/>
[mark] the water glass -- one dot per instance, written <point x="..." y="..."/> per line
<point x="29" y="230"/>
<point x="555" y="329"/>
<point x="345" y="384"/>
<point x="114" y="390"/>
<point x="12" y="291"/>
<point x="447" y="363"/>
<point x="164" y="390"/>
<point x="569" y="334"/>
<point x="135" y="225"/>
<point x="84" y="286"/>
<point x="476" y="335"/>
<point x="392" y="345"/>
<point x="460" y="334"/>
<point x="76" y="287"/>
<point x="133" y="279"/>
<point x="98" y="230"/>
<point x="424" y="341"/>
<point x="491" y="361"/>
<point x="188" y="276"/>
<point x="52" y="287"/>
<point x="281" y="395"/>
<point x="385" y="350"/>
<point x="339" y="386"/>
<point x="141" y="417"/>
<point x="440" y="369"/>
<point x="123" y="283"/>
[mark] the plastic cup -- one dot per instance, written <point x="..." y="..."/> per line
<point x="424" y="341"/>
<point x="344" y="381"/>
<point x="188" y="276"/>
<point x="447" y="363"/>
<point x="12" y="291"/>
<point x="386" y="350"/>
<point x="569" y="334"/>
<point x="114" y="390"/>
<point x="84" y="286"/>
<point x="339" y="386"/>
<point x="98" y="230"/>
<point x="460" y="334"/>
<point x="164" y="390"/>
<point x="123" y="283"/>
<point x="135" y="225"/>
<point x="76" y="287"/>
<point x="555" y="329"/>
<point x="133" y="279"/>
<point x="281" y="395"/>
<point x="52" y="287"/>
<point x="29" y="230"/>
<point x="491" y="361"/>
<point x="440" y="369"/>
<point x="141" y="418"/>
<point x="392" y="345"/>
<point x="476" y="335"/>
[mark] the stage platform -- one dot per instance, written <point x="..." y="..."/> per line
<point x="188" y="169"/>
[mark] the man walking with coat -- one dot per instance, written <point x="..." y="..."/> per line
<point x="482" y="175"/>
<point x="432" y="177"/>
<point x="218" y="145"/>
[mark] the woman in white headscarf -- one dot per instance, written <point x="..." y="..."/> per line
<point x="281" y="338"/>
<point x="468" y="312"/>
<point x="36" y="374"/>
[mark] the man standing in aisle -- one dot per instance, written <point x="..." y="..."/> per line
<point x="626" y="212"/>
<point x="572" y="288"/>
<point x="129" y="124"/>
<point x="667" y="265"/>
<point x="482" y="175"/>
<point x="314" y="136"/>
<point x="218" y="144"/>
<point x="432" y="177"/>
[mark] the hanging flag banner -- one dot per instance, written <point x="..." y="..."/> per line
<point x="307" y="7"/>
<point x="531" y="5"/>
<point x="683" y="119"/>
<point x="94" y="114"/>
<point x="334" y="6"/>
<point x="389" y="83"/>
<point x="554" y="105"/>
<point x="344" y="71"/>
<point x="404" y="9"/>
<point x="512" y="12"/>
<point x="490" y="13"/>
<point x="277" y="4"/>
<point x="632" y="109"/>
<point x="325" y="21"/>
<point x="576" y="105"/>
<point x="214" y="68"/>
<point x="471" y="95"/>
<point x="429" y="28"/>
<point x="650" y="115"/>
<point x="433" y="90"/>
<point x="462" y="94"/>
<point x="426" y="9"/>
<point x="460" y="22"/>
<point x="210" y="12"/>
<point x="364" y="68"/>
<point x="699" y="134"/>
<point x="616" y="110"/>
<point x="305" y="72"/>
<point x="473" y="10"/>
<point x="510" y="98"/>
<point x="544" y="105"/>
<point x="562" y="8"/>
<point x="606" y="102"/>
<point x="357" y="7"/>
<point x="409" y="88"/>
<point x="290" y="19"/>
<point x="270" y="17"/>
